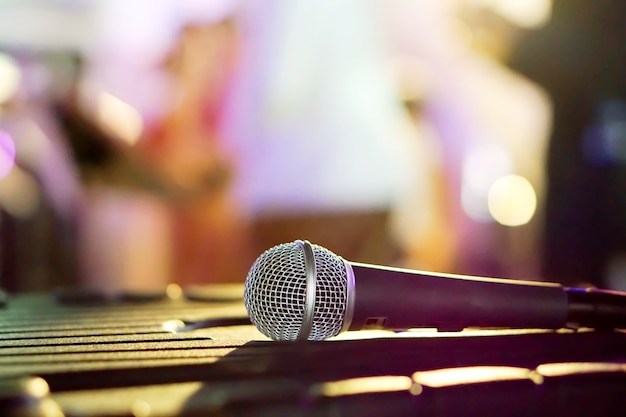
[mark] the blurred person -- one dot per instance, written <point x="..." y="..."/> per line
<point x="158" y="208"/>
<point x="420" y="220"/>
<point x="316" y="124"/>
<point x="486" y="121"/>
<point x="121" y="223"/>
<point x="186" y="150"/>
<point x="40" y="195"/>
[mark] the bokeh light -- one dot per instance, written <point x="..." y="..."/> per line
<point x="20" y="194"/>
<point x="512" y="200"/>
<point x="7" y="154"/>
<point x="354" y="386"/>
<point x="474" y="374"/>
<point x="529" y="14"/>
<point x="119" y="118"/>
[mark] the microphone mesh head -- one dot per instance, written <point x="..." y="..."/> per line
<point x="275" y="292"/>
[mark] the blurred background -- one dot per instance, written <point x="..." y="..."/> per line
<point x="147" y="143"/>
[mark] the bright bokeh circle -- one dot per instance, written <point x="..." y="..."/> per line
<point x="512" y="200"/>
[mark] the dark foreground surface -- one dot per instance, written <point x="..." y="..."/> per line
<point x="195" y="354"/>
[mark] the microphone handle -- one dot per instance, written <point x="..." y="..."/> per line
<point x="601" y="309"/>
<point x="398" y="299"/>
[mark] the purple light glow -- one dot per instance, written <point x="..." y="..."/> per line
<point x="7" y="153"/>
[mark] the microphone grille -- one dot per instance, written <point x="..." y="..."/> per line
<point x="275" y="292"/>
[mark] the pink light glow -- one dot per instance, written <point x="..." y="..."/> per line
<point x="7" y="154"/>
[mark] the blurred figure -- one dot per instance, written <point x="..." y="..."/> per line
<point x="490" y="127"/>
<point x="185" y="149"/>
<point x="420" y="220"/>
<point x="158" y="208"/>
<point x="317" y="127"/>
<point x="40" y="192"/>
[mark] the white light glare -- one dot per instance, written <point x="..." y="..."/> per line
<point x="10" y="77"/>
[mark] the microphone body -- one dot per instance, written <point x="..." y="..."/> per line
<point x="300" y="291"/>
<point x="394" y="298"/>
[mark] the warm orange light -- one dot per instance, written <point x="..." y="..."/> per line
<point x="173" y="291"/>
<point x="365" y="385"/>
<point x="20" y="195"/>
<point x="561" y="369"/>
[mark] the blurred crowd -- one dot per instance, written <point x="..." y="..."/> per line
<point x="168" y="142"/>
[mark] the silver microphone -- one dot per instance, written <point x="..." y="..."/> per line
<point x="302" y="291"/>
<point x="298" y="291"/>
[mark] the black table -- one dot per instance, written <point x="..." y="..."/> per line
<point x="196" y="354"/>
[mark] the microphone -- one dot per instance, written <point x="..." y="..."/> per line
<point x="302" y="291"/>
